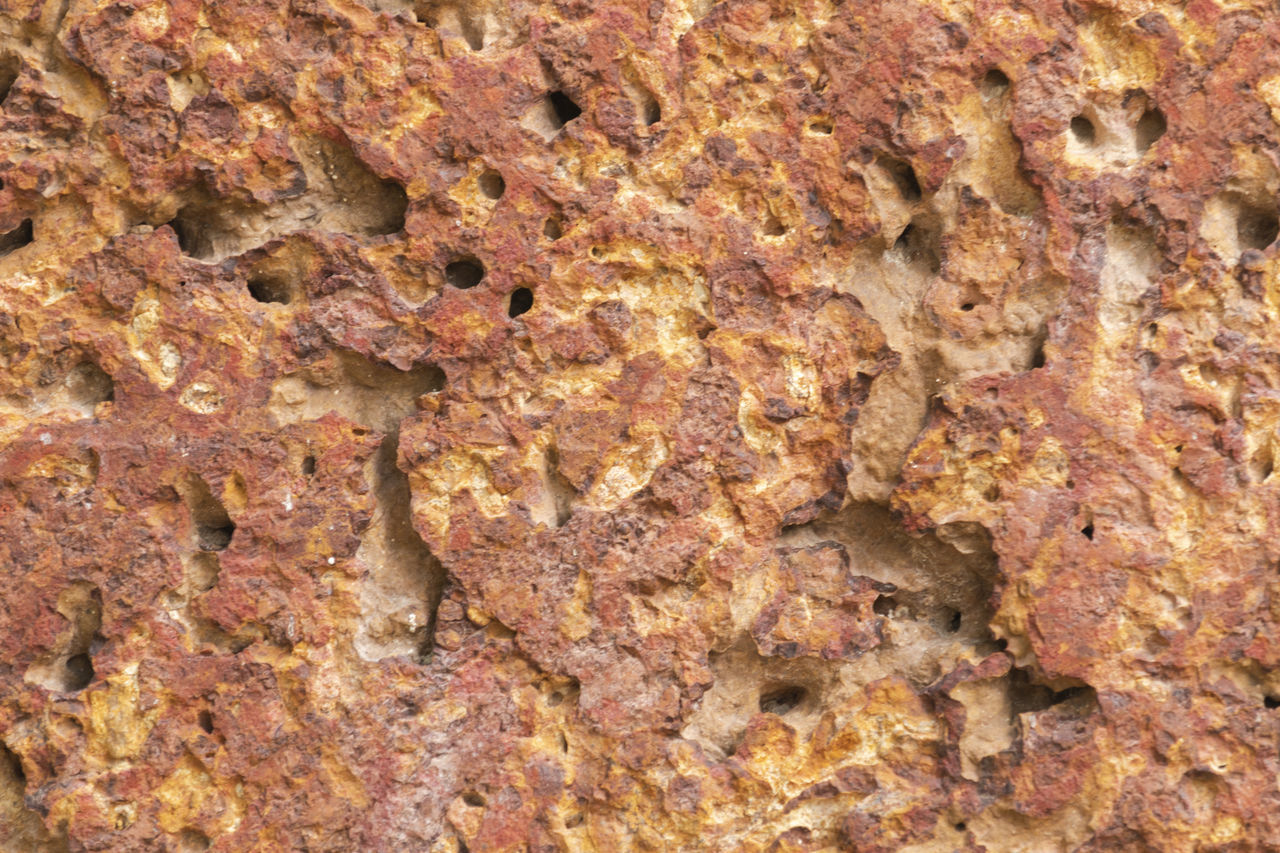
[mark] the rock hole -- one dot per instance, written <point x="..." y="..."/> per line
<point x="79" y="672"/>
<point x="1271" y="702"/>
<point x="992" y="493"/>
<point x="473" y="799"/>
<point x="400" y="594"/>
<point x="1150" y="128"/>
<point x="464" y="273"/>
<point x="277" y="273"/>
<point x="88" y="385"/>
<point x="917" y="244"/>
<point x="492" y="185"/>
<point x="192" y="841"/>
<point x="884" y="605"/>
<point x="646" y="105"/>
<point x="1083" y="131"/>
<point x="459" y="18"/>
<point x="556" y="505"/>
<point x="1038" y="343"/>
<point x="563" y="107"/>
<point x="213" y="527"/>
<point x="394" y="206"/>
<point x="193" y="238"/>
<point x="954" y="619"/>
<point x="1082" y="693"/>
<point x="339" y="195"/>
<point x="968" y="306"/>
<point x="202" y="571"/>
<point x="782" y="700"/>
<point x="1087" y="531"/>
<point x="17" y="238"/>
<point x="994" y="84"/>
<point x="822" y="127"/>
<point x="773" y="227"/>
<point x="903" y="244"/>
<point x="374" y="395"/>
<point x="68" y="668"/>
<point x="344" y="195"/>
<point x="11" y="765"/>
<point x="520" y="302"/>
<point x="308" y="465"/>
<point x="904" y="178"/>
<point x="268" y="288"/>
<point x="1257" y="227"/>
<point x="1263" y="463"/>
<point x="205" y="720"/>
<point x="961" y="826"/>
<point x="652" y="111"/>
<point x="9" y="68"/>
<point x="552" y="229"/>
<point x="573" y="821"/>
<point x="22" y="826"/>
<point x="24" y="831"/>
<point x="1026" y="696"/>
<point x="473" y="32"/>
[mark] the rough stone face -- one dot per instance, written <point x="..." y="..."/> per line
<point x="496" y="425"/>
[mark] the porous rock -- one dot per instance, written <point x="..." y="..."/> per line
<point x="502" y="425"/>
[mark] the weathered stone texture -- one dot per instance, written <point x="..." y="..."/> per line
<point x="500" y="425"/>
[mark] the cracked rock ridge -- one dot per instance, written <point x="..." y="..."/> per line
<point x="497" y="425"/>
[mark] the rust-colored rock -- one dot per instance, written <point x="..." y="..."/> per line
<point x="496" y="425"/>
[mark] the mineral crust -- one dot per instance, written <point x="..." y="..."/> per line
<point x="764" y="425"/>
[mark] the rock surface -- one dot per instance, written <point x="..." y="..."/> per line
<point x="584" y="426"/>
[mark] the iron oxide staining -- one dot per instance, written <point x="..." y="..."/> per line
<point x="661" y="292"/>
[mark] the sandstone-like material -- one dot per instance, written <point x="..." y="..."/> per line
<point x="500" y="425"/>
